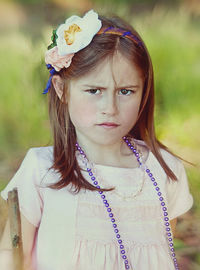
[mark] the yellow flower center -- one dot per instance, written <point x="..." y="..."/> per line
<point x="69" y="35"/>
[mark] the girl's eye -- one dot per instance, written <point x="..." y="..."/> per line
<point x="93" y="91"/>
<point x="125" y="92"/>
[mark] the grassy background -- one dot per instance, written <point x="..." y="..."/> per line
<point x="172" y="36"/>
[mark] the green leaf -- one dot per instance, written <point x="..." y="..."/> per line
<point x="53" y="38"/>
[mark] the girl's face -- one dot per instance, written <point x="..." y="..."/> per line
<point x="104" y="104"/>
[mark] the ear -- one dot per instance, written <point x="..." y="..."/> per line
<point x="58" y="85"/>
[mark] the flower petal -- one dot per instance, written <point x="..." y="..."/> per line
<point x="58" y="62"/>
<point x="89" y="24"/>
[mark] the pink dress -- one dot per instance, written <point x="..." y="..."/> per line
<point x="139" y="218"/>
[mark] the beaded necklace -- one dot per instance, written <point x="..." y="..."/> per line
<point x="109" y="209"/>
<point x="116" y="192"/>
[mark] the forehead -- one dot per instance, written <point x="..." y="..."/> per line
<point x="118" y="70"/>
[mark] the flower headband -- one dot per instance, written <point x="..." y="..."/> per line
<point x="74" y="35"/>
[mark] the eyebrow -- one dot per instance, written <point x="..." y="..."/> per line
<point x="100" y="87"/>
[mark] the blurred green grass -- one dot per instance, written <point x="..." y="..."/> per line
<point x="23" y="115"/>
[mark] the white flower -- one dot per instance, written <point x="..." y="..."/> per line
<point x="76" y="33"/>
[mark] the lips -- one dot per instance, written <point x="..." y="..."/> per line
<point x="108" y="125"/>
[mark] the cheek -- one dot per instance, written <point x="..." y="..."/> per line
<point x="81" y="112"/>
<point x="130" y="113"/>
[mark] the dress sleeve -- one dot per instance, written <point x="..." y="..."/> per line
<point x="179" y="197"/>
<point x="27" y="182"/>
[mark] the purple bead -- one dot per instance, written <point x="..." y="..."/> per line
<point x="111" y="215"/>
<point x="164" y="209"/>
<point x="171" y="244"/>
<point x="174" y="259"/>
<point x="100" y="192"/>
<point x="103" y="196"/>
<point x="157" y="188"/>
<point x="88" y="169"/>
<point x="162" y="203"/>
<point x="120" y="241"/>
<point x="116" y="230"/>
<point x="150" y="174"/>
<point x="117" y="235"/>
<point x="137" y="154"/>
<point x="121" y="246"/>
<point x="112" y="220"/>
<point x="134" y="150"/>
<point x="147" y="170"/>
<point x="127" y="266"/>
<point x="152" y="179"/>
<point x="169" y="234"/>
<point x="105" y="201"/>
<point x="98" y="186"/>
<point x="124" y="257"/>
<point x="159" y="193"/>
<point x="79" y="148"/>
<point x="170" y="239"/>
<point x="166" y="218"/>
<point x="127" y="141"/>
<point x="132" y="147"/>
<point x="109" y="209"/>
<point x="167" y="224"/>
<point x="168" y="229"/>
<point x="129" y="144"/>
<point x="173" y="254"/>
<point x="161" y="198"/>
<point x="126" y="261"/>
<point x="122" y="251"/>
<point x="95" y="183"/>
<point x="165" y="214"/>
<point x="82" y="152"/>
<point x="172" y="249"/>
<point x="93" y="178"/>
<point x="155" y="183"/>
<point x="115" y="225"/>
<point x="106" y="204"/>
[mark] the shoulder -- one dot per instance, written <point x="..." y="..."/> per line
<point x="41" y="155"/>
<point x="173" y="162"/>
<point x="167" y="156"/>
<point x="38" y="162"/>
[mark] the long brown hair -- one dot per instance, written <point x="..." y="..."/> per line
<point x="102" y="46"/>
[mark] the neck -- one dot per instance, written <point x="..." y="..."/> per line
<point x="117" y="154"/>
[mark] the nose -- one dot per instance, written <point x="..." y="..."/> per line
<point x="110" y="104"/>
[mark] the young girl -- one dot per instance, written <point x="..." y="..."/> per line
<point x="107" y="195"/>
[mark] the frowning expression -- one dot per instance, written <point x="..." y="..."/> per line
<point x="104" y="103"/>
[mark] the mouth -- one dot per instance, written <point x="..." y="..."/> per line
<point x="108" y="125"/>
